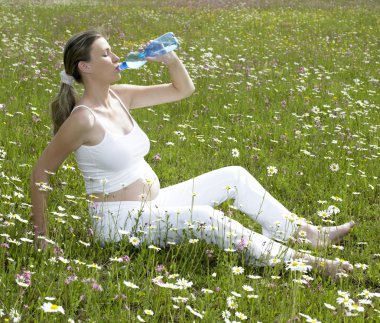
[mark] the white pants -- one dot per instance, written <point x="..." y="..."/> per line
<point x="186" y="210"/>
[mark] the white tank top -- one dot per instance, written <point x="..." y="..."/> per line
<point x="115" y="162"/>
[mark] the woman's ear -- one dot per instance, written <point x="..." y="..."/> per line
<point x="84" y="67"/>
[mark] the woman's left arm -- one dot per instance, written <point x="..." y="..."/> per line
<point x="135" y="96"/>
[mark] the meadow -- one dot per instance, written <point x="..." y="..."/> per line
<point x="291" y="93"/>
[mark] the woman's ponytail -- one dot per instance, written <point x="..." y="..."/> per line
<point x="62" y="105"/>
<point x="77" y="49"/>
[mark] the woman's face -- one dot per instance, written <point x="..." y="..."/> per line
<point x="104" y="63"/>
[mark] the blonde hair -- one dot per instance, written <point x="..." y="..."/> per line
<point x="76" y="49"/>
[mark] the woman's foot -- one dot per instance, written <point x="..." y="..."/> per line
<point x="323" y="236"/>
<point x="330" y="268"/>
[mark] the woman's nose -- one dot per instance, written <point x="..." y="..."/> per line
<point x="116" y="58"/>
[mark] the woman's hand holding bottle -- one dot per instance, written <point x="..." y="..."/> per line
<point x="166" y="58"/>
<point x="155" y="48"/>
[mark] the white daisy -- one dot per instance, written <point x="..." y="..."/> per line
<point x="149" y="312"/>
<point x="130" y="284"/>
<point x="235" y="153"/>
<point x="271" y="170"/>
<point x="52" y="308"/>
<point x="135" y="241"/>
<point x="237" y="270"/>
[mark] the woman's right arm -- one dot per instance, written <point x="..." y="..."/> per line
<point x="72" y="134"/>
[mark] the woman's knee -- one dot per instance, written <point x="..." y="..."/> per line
<point x="229" y="171"/>
<point x="234" y="173"/>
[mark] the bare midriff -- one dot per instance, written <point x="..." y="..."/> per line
<point x="141" y="189"/>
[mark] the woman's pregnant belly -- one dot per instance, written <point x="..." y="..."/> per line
<point x="146" y="188"/>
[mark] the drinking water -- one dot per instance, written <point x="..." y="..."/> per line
<point x="160" y="46"/>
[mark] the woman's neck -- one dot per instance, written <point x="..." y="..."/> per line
<point x="97" y="95"/>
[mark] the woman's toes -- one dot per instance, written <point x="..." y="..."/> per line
<point x="322" y="237"/>
<point x="348" y="267"/>
<point x="337" y="233"/>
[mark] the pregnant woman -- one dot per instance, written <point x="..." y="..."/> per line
<point x="125" y="194"/>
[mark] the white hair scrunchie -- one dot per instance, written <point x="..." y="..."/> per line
<point x="67" y="79"/>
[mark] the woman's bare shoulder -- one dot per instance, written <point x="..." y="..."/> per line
<point x="82" y="115"/>
<point x="83" y="120"/>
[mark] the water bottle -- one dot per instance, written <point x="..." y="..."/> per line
<point x="160" y="46"/>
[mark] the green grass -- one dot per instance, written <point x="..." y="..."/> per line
<point x="259" y="71"/>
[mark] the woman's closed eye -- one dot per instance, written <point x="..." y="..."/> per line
<point x="106" y="53"/>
